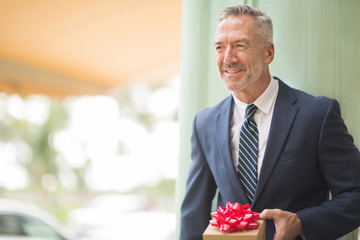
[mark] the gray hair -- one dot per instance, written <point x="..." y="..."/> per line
<point x="263" y="22"/>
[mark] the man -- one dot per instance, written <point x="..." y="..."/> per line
<point x="277" y="148"/>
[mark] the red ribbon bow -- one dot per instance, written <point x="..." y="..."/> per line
<point x="235" y="217"/>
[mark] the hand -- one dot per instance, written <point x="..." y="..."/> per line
<point x="287" y="224"/>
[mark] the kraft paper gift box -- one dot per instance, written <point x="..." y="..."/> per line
<point x="214" y="233"/>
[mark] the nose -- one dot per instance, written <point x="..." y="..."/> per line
<point x="230" y="56"/>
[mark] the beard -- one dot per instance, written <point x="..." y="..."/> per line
<point x="242" y="79"/>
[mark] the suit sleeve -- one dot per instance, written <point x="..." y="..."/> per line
<point x="339" y="162"/>
<point x="200" y="190"/>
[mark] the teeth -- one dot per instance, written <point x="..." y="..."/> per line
<point x="236" y="71"/>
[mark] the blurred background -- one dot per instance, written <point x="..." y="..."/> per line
<point x="96" y="112"/>
<point x="89" y="98"/>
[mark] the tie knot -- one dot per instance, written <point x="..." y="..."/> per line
<point x="250" y="110"/>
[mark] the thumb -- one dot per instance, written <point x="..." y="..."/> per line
<point x="269" y="213"/>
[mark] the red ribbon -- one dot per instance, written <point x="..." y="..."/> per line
<point x="235" y="217"/>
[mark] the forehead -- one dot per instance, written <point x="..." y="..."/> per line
<point x="235" y="27"/>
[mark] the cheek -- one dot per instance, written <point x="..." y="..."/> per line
<point x="219" y="61"/>
<point x="253" y="62"/>
<point x="244" y="59"/>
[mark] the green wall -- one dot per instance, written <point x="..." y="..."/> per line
<point x="317" y="49"/>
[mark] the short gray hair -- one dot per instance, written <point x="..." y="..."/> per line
<point x="263" y="22"/>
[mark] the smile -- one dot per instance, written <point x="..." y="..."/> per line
<point x="233" y="71"/>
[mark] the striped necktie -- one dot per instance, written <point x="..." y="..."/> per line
<point x="248" y="153"/>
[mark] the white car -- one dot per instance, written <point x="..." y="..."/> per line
<point x="20" y="220"/>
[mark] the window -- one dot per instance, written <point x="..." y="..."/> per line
<point x="10" y="225"/>
<point x="27" y="226"/>
<point x="36" y="228"/>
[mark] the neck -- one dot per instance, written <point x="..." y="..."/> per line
<point x="253" y="91"/>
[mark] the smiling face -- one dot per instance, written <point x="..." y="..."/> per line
<point x="242" y="57"/>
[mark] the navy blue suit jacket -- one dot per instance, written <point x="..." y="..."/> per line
<point x="309" y="153"/>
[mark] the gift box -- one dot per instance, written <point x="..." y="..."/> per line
<point x="214" y="233"/>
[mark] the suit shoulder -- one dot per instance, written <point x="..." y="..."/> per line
<point x="308" y="99"/>
<point x="305" y="101"/>
<point x="311" y="101"/>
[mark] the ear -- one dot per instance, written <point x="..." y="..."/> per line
<point x="269" y="53"/>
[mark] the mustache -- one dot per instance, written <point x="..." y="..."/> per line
<point x="233" y="66"/>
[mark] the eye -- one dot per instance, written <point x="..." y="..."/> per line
<point x="240" y="45"/>
<point x="219" y="48"/>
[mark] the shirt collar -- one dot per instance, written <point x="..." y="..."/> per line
<point x="265" y="101"/>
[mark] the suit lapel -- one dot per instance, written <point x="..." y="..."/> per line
<point x="282" y="120"/>
<point x="223" y="140"/>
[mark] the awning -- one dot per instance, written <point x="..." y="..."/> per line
<point x="81" y="47"/>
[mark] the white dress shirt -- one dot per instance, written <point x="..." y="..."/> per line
<point x="263" y="116"/>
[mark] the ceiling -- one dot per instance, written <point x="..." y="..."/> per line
<point x="82" y="47"/>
